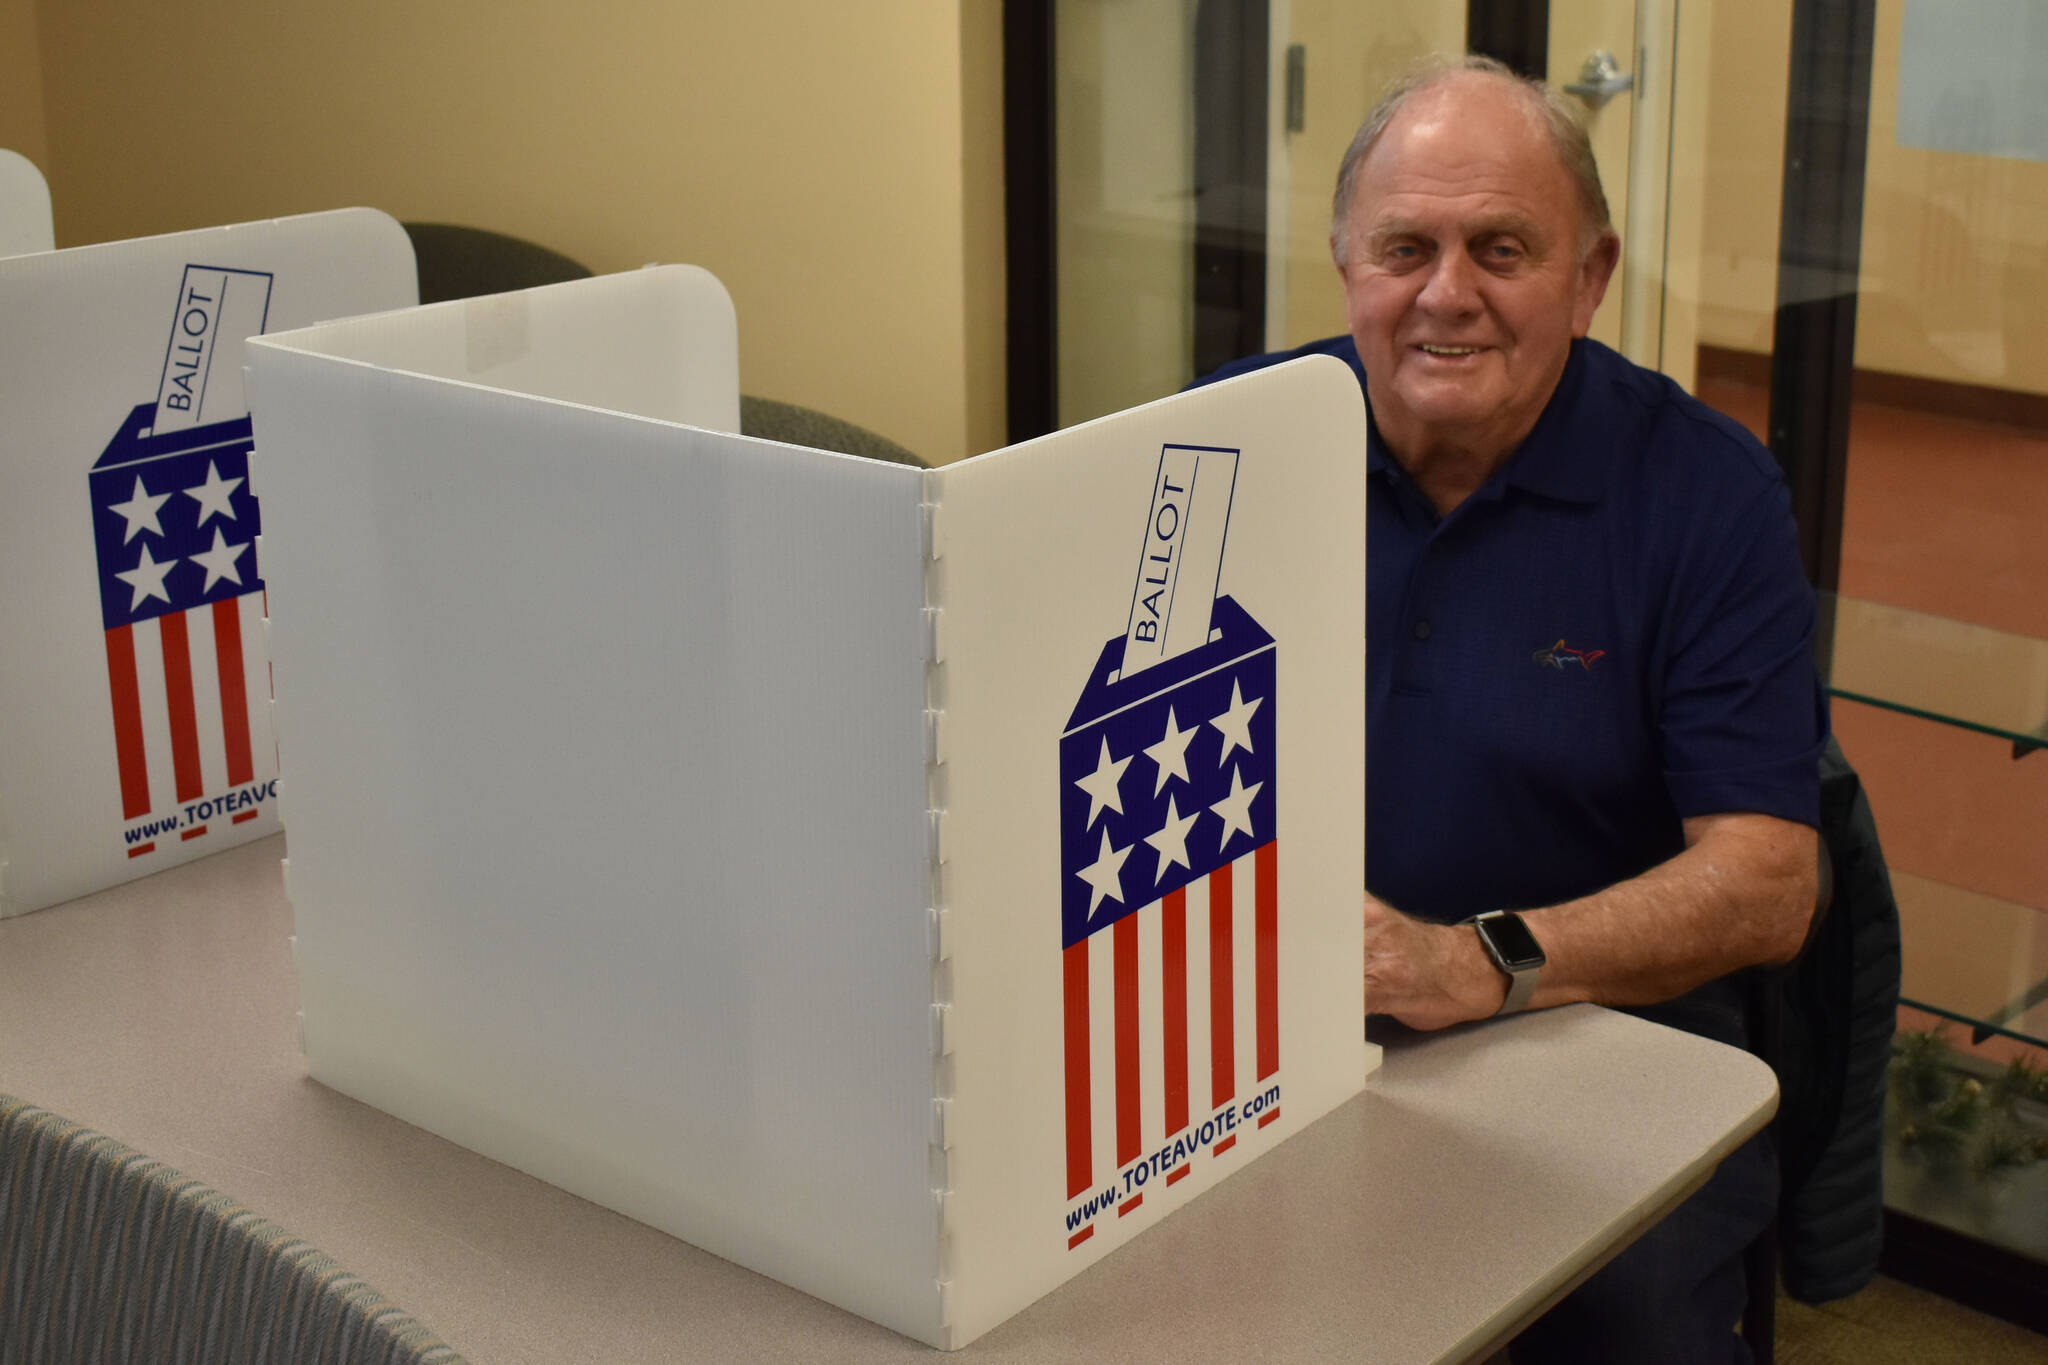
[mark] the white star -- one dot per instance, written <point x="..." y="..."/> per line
<point x="147" y="578"/>
<point x="140" y="511"/>
<point x="1236" y="723"/>
<point x="1105" y="874"/>
<point x="1172" y="841"/>
<point x="1235" y="810"/>
<point x="1171" y="753"/>
<point x="219" y="562"/>
<point x="213" y="495"/>
<point x="1101" y="786"/>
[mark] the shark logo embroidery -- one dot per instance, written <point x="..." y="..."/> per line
<point x="1558" y="655"/>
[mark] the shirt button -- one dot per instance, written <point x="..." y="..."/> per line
<point x="1422" y="630"/>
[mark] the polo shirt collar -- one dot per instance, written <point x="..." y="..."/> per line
<point x="1555" y="460"/>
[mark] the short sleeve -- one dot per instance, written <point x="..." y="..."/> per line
<point x="1742" y="716"/>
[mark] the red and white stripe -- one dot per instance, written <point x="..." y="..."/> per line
<point x="186" y="687"/>
<point x="1171" y="1013"/>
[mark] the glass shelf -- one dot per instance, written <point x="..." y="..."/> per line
<point x="1969" y="957"/>
<point x="1975" y="959"/>
<point x="1991" y="681"/>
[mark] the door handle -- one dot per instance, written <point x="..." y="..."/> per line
<point x="1600" y="80"/>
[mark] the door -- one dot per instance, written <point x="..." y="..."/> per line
<point x="1616" y="59"/>
<point x="1343" y="54"/>
<point x="1193" y="172"/>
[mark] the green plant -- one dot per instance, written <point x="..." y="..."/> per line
<point x="1946" y="1117"/>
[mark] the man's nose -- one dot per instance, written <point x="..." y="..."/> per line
<point x="1452" y="286"/>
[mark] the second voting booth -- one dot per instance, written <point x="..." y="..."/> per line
<point x="25" y="219"/>
<point x="133" y="677"/>
<point x="908" y="884"/>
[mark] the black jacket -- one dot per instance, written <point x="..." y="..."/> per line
<point x="1825" y="1025"/>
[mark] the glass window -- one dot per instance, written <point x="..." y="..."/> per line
<point x="1196" y="144"/>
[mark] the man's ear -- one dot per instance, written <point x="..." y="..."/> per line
<point x="1594" y="273"/>
<point x="1337" y="259"/>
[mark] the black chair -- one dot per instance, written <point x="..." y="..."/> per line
<point x="106" y="1254"/>
<point x="458" y="262"/>
<point x="1824" y="1022"/>
<point x="801" y="426"/>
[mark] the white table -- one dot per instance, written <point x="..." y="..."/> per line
<point x="1485" y="1171"/>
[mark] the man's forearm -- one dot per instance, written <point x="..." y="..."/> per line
<point x="1741" y="893"/>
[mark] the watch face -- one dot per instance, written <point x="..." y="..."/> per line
<point x="1511" y="939"/>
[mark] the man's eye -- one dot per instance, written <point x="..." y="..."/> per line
<point x="1503" y="253"/>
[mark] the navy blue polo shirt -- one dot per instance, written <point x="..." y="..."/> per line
<point x="1612" y="634"/>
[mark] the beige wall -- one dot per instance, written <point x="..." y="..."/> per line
<point x="1749" y="48"/>
<point x="1126" y="206"/>
<point x="983" y="226"/>
<point x="1685" y="202"/>
<point x="1353" y="51"/>
<point x="1576" y="29"/>
<point x="837" y="166"/>
<point x="1955" y="252"/>
<point x="1953" y="286"/>
<point x="21" y="85"/>
<point x="1123" y="160"/>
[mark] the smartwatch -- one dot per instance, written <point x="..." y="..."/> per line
<point x="1514" y="950"/>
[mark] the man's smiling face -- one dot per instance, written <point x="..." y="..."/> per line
<point x="1466" y="270"/>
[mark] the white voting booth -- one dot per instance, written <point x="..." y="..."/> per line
<point x="25" y="221"/>
<point x="134" y="684"/>
<point x="909" y="884"/>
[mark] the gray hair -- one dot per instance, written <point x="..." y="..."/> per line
<point x="1567" y="136"/>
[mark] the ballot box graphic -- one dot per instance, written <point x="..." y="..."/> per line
<point x="824" y="924"/>
<point x="175" y="529"/>
<point x="134" y="666"/>
<point x="1167" y="800"/>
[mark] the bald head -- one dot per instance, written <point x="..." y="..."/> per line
<point x="1472" y="259"/>
<point x="1561" y="128"/>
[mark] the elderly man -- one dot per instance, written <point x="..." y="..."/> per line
<point x="1591" y="701"/>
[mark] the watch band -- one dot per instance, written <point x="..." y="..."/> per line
<point x="1521" y="962"/>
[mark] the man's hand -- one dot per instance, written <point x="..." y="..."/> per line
<point x="1741" y="893"/>
<point x="1427" y="975"/>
